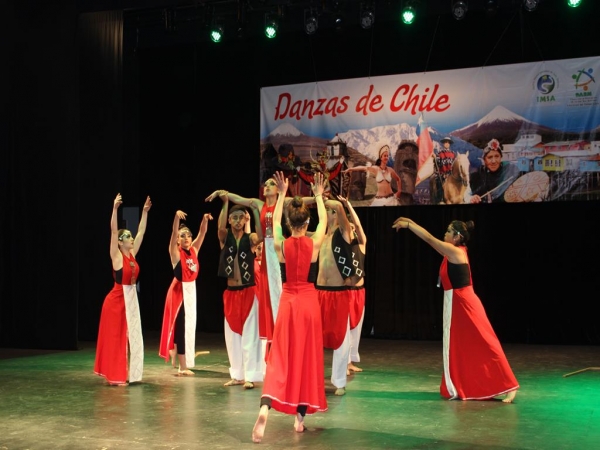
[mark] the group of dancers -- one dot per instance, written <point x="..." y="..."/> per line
<point x="290" y="295"/>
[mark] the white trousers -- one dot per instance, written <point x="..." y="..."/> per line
<point x="355" y="340"/>
<point x="339" y="364"/>
<point x="244" y="351"/>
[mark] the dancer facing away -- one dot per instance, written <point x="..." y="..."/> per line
<point x="294" y="383"/>
<point x="178" y="335"/>
<point x="475" y="367"/>
<point x="357" y="281"/>
<point x="240" y="304"/>
<point x="270" y="283"/>
<point x="334" y="287"/>
<point x="120" y="325"/>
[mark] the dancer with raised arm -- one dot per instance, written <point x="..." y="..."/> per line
<point x="120" y="332"/>
<point x="475" y="367"/>
<point x="240" y="304"/>
<point x="294" y="382"/>
<point x="357" y="282"/>
<point x="178" y="335"/>
<point x="270" y="285"/>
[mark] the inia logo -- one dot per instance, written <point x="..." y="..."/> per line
<point x="546" y="84"/>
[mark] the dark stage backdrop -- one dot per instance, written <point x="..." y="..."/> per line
<point x="172" y="116"/>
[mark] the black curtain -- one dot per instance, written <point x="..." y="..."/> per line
<point x="107" y="165"/>
<point x="40" y="231"/>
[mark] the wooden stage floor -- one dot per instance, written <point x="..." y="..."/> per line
<point x="53" y="400"/>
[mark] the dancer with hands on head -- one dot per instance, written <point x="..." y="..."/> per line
<point x="357" y="281"/>
<point x="270" y="283"/>
<point x="295" y="382"/>
<point x="178" y="335"/>
<point x="475" y="367"/>
<point x="120" y="329"/>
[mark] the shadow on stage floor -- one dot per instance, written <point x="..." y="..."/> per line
<point x="52" y="400"/>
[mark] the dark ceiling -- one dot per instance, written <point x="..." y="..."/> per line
<point x="191" y="19"/>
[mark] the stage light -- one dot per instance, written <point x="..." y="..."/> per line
<point x="574" y="3"/>
<point x="311" y="22"/>
<point x="216" y="33"/>
<point x="271" y="26"/>
<point x="338" y="20"/>
<point x="459" y="9"/>
<point x="530" y="5"/>
<point x="409" y="12"/>
<point x="491" y="7"/>
<point x="367" y="17"/>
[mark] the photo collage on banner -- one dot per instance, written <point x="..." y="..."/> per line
<point x="517" y="133"/>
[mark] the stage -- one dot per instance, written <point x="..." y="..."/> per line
<point x="53" y="400"/>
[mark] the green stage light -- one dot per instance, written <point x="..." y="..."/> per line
<point x="574" y="3"/>
<point x="408" y="15"/>
<point x="271" y="26"/>
<point x="216" y="33"/>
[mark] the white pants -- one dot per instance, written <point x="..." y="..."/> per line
<point x="244" y="351"/>
<point x="355" y="340"/>
<point x="339" y="364"/>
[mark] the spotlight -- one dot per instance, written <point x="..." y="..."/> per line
<point x="530" y="5"/>
<point x="491" y="7"/>
<point x="574" y="3"/>
<point x="311" y="22"/>
<point x="409" y="12"/>
<point x="459" y="9"/>
<point x="271" y="26"/>
<point x="216" y="33"/>
<point x="338" y="20"/>
<point x="367" y="17"/>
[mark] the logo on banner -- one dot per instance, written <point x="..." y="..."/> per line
<point x="546" y="83"/>
<point x="583" y="81"/>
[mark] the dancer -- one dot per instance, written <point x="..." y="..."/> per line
<point x="475" y="367"/>
<point x="294" y="383"/>
<point x="120" y="328"/>
<point x="334" y="287"/>
<point x="357" y="281"/>
<point x="178" y="335"/>
<point x="270" y="285"/>
<point x="240" y="304"/>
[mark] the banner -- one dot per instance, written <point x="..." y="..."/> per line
<point x="515" y="133"/>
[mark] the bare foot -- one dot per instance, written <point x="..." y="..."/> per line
<point x="173" y="355"/>
<point x="248" y="385"/>
<point x="259" y="427"/>
<point x="299" y="426"/>
<point x="234" y="382"/>
<point x="353" y="368"/>
<point x="185" y="373"/>
<point x="119" y="384"/>
<point x="510" y="396"/>
<point x="340" y="391"/>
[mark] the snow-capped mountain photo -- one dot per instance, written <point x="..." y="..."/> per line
<point x="502" y="124"/>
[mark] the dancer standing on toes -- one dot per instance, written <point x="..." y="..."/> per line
<point x="240" y="304"/>
<point x="357" y="281"/>
<point x="475" y="367"/>
<point x="294" y="382"/>
<point x="120" y="329"/>
<point x="178" y="335"/>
